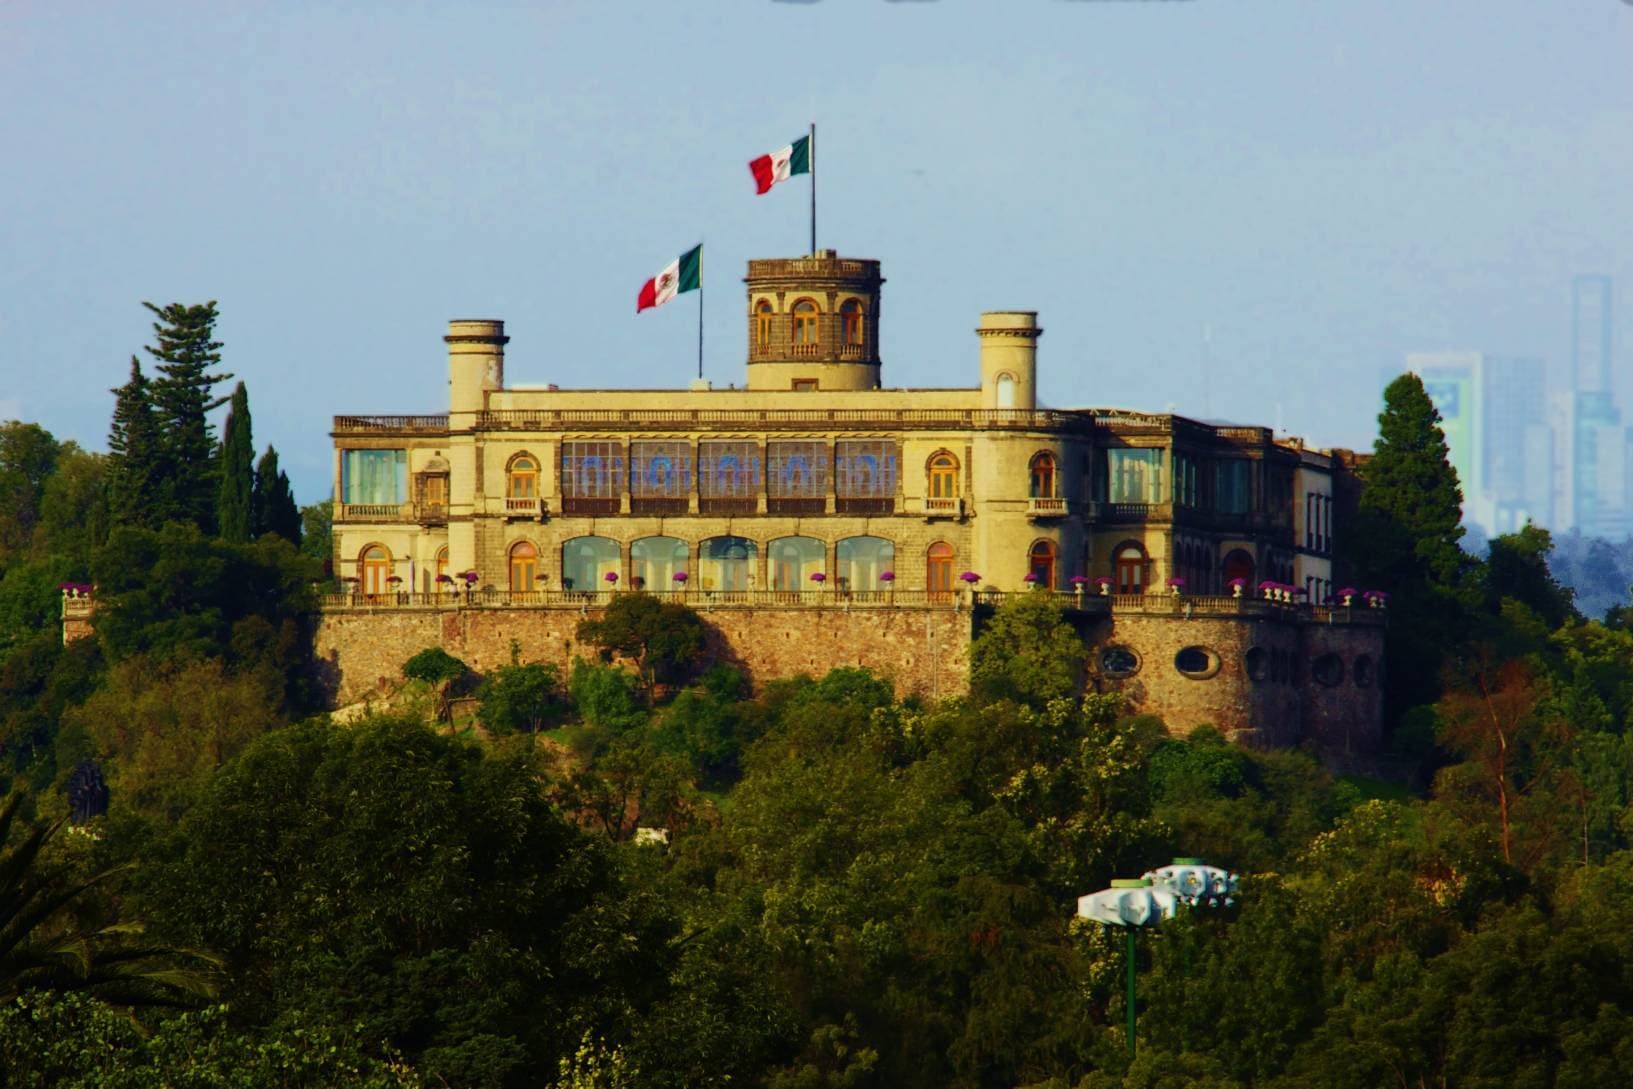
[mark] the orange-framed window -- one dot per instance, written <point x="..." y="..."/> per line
<point x="375" y="569"/>
<point x="442" y="568"/>
<point x="1041" y="563"/>
<point x="1042" y="484"/>
<point x="762" y="324"/>
<point x="805" y="323"/>
<point x="938" y="568"/>
<point x="943" y="476"/>
<point x="1130" y="561"/>
<point x="850" y="319"/>
<point x="524" y="565"/>
<point x="522" y="478"/>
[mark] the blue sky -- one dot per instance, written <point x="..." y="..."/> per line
<point x="1317" y="188"/>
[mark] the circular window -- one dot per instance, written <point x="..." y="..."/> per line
<point x="1198" y="663"/>
<point x="1119" y="662"/>
<point x="1328" y="670"/>
<point x="1257" y="662"/>
<point x="1362" y="672"/>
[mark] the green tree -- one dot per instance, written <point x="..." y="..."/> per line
<point x="272" y="505"/>
<point x="439" y="669"/>
<point x="389" y="879"/>
<point x="1404" y="539"/>
<point x="28" y="456"/>
<point x="1026" y="652"/>
<point x="183" y="396"/>
<point x="1517" y="568"/>
<point x="136" y="454"/>
<point x="663" y="638"/>
<point x="316" y="537"/>
<point x="74" y="517"/>
<point x="521" y="696"/>
<point x="236" y="471"/>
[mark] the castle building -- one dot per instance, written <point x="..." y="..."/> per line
<point x="816" y="484"/>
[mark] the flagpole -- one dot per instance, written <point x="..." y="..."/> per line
<point x="700" y="310"/>
<point x="810" y="153"/>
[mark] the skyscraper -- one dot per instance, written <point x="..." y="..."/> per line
<point x="1599" y="484"/>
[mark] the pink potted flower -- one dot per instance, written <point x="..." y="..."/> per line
<point x="887" y="576"/>
<point x="1176" y="585"/>
<point x="680" y="578"/>
<point x="1346" y="596"/>
<point x="1104" y="582"/>
<point x="611" y="577"/>
<point x="1237" y="586"/>
<point x="969" y="578"/>
<point x="818" y="577"/>
<point x="1031" y="580"/>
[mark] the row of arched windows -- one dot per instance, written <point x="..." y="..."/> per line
<point x="942" y="473"/>
<point x="804" y="327"/>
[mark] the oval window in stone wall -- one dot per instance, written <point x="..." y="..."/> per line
<point x="1197" y="663"/>
<point x="1362" y="672"/>
<point x="1257" y="663"/>
<point x="1119" y="662"/>
<point x="1328" y="670"/>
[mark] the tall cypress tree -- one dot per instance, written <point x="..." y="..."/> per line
<point x="237" y="471"/>
<point x="273" y="507"/>
<point x="135" y="454"/>
<point x="1405" y="540"/>
<point x="183" y="395"/>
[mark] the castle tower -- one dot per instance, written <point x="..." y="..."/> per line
<point x="813" y="323"/>
<point x="1009" y="358"/>
<point x="476" y="362"/>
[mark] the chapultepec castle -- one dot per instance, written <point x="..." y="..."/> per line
<point x="816" y="518"/>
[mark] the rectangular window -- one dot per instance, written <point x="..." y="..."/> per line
<point x="865" y="476"/>
<point x="1185" y="494"/>
<point x="592" y="475"/>
<point x="374" y="476"/>
<point x="1233" y="486"/>
<point x="805" y="385"/>
<point x="729" y="477"/>
<point x="797" y="477"/>
<point x="1134" y="476"/>
<point x="660" y="477"/>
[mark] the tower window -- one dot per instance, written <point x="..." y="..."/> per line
<point x="1043" y="477"/>
<point x="943" y="476"/>
<point x="762" y="324"/>
<point x="1041" y="564"/>
<point x="805" y="324"/>
<point x="850" y="316"/>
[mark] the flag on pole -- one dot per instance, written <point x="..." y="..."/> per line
<point x="781" y="164"/>
<point x="685" y="273"/>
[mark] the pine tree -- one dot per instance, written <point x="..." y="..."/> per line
<point x="135" y="469"/>
<point x="272" y="507"/>
<point x="183" y="395"/>
<point x="237" y="473"/>
<point x="1405" y="540"/>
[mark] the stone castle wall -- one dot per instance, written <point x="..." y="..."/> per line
<point x="1261" y="687"/>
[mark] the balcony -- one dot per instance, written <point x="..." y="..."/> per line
<point x="868" y="505"/>
<point x="431" y="514"/>
<point x="944" y="507"/>
<point x="1037" y="508"/>
<point x="783" y="419"/>
<point x="392" y="425"/>
<point x="523" y="507"/>
<point x="374" y="512"/>
<point x="805" y="351"/>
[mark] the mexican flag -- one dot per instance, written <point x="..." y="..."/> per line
<point x="685" y="273"/>
<point x="781" y="164"/>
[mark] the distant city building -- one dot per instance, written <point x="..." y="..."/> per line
<point x="1599" y="447"/>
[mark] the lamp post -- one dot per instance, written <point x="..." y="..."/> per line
<point x="1147" y="900"/>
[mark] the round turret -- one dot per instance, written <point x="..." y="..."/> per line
<point x="476" y="362"/>
<point x="1009" y="358"/>
<point x="813" y="323"/>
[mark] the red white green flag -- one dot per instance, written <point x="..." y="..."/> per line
<point x="781" y="164"/>
<point x="685" y="273"/>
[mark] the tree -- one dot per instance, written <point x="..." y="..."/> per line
<point x="236" y="471"/>
<point x="316" y="533"/>
<point x="521" y="697"/>
<point x="1517" y="568"/>
<point x="74" y="509"/>
<point x="439" y="669"/>
<point x="135" y="452"/>
<point x="272" y="505"/>
<point x="48" y="944"/>
<point x="28" y="456"/>
<point x="183" y="395"/>
<point x="1404" y="539"/>
<point x="1026" y="652"/>
<point x="663" y="638"/>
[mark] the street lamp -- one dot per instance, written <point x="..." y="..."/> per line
<point x="1145" y="901"/>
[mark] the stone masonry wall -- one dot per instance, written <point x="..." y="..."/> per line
<point x="923" y="651"/>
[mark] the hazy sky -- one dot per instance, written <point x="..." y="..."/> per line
<point x="1324" y="186"/>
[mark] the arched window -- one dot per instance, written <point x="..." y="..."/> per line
<point x="762" y="324"/>
<point x="585" y="562"/>
<point x="1040" y="562"/>
<point x="524" y="566"/>
<point x="805" y="323"/>
<point x="1006" y="391"/>
<point x="374" y="568"/>
<point x="441" y="569"/>
<point x="1043" y="476"/>
<point x="850" y="318"/>
<point x="1129" y="561"/>
<point x="655" y="561"/>
<point x="726" y="563"/>
<point x="1239" y="565"/>
<point x="862" y="560"/>
<point x="794" y="560"/>
<point x="943" y="476"/>
<point x="522" y="478"/>
<point x="938" y="568"/>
